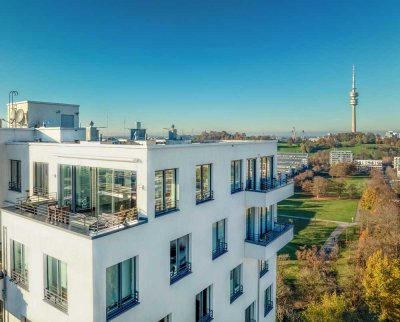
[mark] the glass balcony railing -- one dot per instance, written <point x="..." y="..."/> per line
<point x="179" y="273"/>
<point x="268" y="184"/>
<point x="268" y="237"/>
<point x="219" y="250"/>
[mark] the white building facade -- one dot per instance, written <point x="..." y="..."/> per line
<point x="340" y="156"/>
<point x="100" y="232"/>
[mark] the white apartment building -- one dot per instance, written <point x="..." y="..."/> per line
<point x="289" y="162"/>
<point x="145" y="232"/>
<point x="340" y="156"/>
<point x="368" y="165"/>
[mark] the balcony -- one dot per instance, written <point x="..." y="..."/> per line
<point x="14" y="186"/>
<point x="166" y="208"/>
<point x="207" y="317"/>
<point x="179" y="273"/>
<point x="268" y="192"/>
<point x="20" y="279"/>
<point x="46" y="209"/>
<point x="58" y="300"/>
<point x="236" y="293"/>
<point x="263" y="246"/>
<point x="123" y="305"/>
<point x="221" y="249"/>
<point x="204" y="196"/>
<point x="269" y="305"/>
<point x="237" y="187"/>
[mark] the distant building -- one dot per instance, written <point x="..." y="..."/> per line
<point x="396" y="165"/>
<point x="368" y="165"/>
<point x="340" y="156"/>
<point x="392" y="134"/>
<point x="292" y="162"/>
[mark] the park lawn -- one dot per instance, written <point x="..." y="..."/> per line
<point x="346" y="253"/>
<point x="306" y="233"/>
<point x="283" y="147"/>
<point x="304" y="205"/>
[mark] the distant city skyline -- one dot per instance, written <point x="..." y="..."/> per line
<point x="260" y="67"/>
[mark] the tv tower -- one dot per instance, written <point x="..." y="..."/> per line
<point x="354" y="102"/>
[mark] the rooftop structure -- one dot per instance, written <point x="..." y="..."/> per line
<point x="340" y="156"/>
<point x="142" y="232"/>
<point x="396" y="165"/>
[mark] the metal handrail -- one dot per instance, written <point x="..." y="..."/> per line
<point x="268" y="307"/>
<point x="47" y="208"/>
<point x="177" y="273"/>
<point x="14" y="186"/>
<point x="122" y="305"/>
<point x="265" y="239"/>
<point x="236" y="293"/>
<point x="235" y="188"/>
<point x="207" y="317"/>
<point x="166" y="207"/>
<point x="221" y="248"/>
<point x="267" y="184"/>
<point x="57" y="299"/>
<point x="19" y="278"/>
<point x="263" y="270"/>
<point x="204" y="196"/>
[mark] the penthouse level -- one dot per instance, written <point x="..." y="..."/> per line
<point x="143" y="232"/>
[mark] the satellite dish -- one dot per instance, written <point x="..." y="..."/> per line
<point x="12" y="115"/>
<point x="20" y="115"/>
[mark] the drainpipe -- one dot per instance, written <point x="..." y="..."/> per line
<point x="258" y="291"/>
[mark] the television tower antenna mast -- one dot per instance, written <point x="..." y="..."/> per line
<point x="354" y="102"/>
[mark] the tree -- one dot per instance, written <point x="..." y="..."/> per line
<point x="307" y="186"/>
<point x="338" y="186"/>
<point x="290" y="142"/>
<point x="331" y="308"/>
<point x="320" y="186"/>
<point x="284" y="305"/>
<point x="382" y="286"/>
<point x="352" y="190"/>
<point x="341" y="170"/>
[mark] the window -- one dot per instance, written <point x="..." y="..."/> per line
<point x="236" y="176"/>
<point x="168" y="318"/>
<point x="263" y="267"/>
<point x="40" y="178"/>
<point x="165" y="191"/>
<point x="251" y="174"/>
<point x="24" y="319"/>
<point x="219" y="245"/>
<point x="19" y="264"/>
<point x="56" y="291"/>
<point x="268" y="304"/>
<point x="15" y="179"/>
<point x="266" y="172"/>
<point x="250" y="313"/>
<point x="265" y="221"/>
<point x="204" y="312"/>
<point x="236" y="283"/>
<point x="203" y="183"/>
<point x="121" y="287"/>
<point x="97" y="190"/>
<point x="180" y="265"/>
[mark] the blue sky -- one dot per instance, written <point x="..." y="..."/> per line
<point x="253" y="66"/>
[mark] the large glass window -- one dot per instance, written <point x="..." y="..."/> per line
<point x="19" y="263"/>
<point x="251" y="174"/>
<point x="15" y="178"/>
<point x="97" y="190"/>
<point x="56" y="290"/>
<point x="263" y="267"/>
<point x="268" y="304"/>
<point x="165" y="191"/>
<point x="219" y="245"/>
<point x="250" y="313"/>
<point x="265" y="220"/>
<point x="203" y="183"/>
<point x="250" y="223"/>
<point x="266" y="172"/>
<point x="236" y="176"/>
<point x="179" y="258"/>
<point x="121" y="287"/>
<point x="168" y="318"/>
<point x="204" y="305"/>
<point x="236" y="286"/>
<point x="40" y="178"/>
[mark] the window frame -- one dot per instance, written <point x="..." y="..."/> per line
<point x="163" y="208"/>
<point x="202" y="194"/>
<point x="15" y="175"/>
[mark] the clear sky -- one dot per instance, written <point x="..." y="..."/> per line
<point x="253" y="66"/>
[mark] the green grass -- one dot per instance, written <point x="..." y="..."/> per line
<point x="307" y="233"/>
<point x="283" y="147"/>
<point x="302" y="205"/>
<point x="345" y="253"/>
